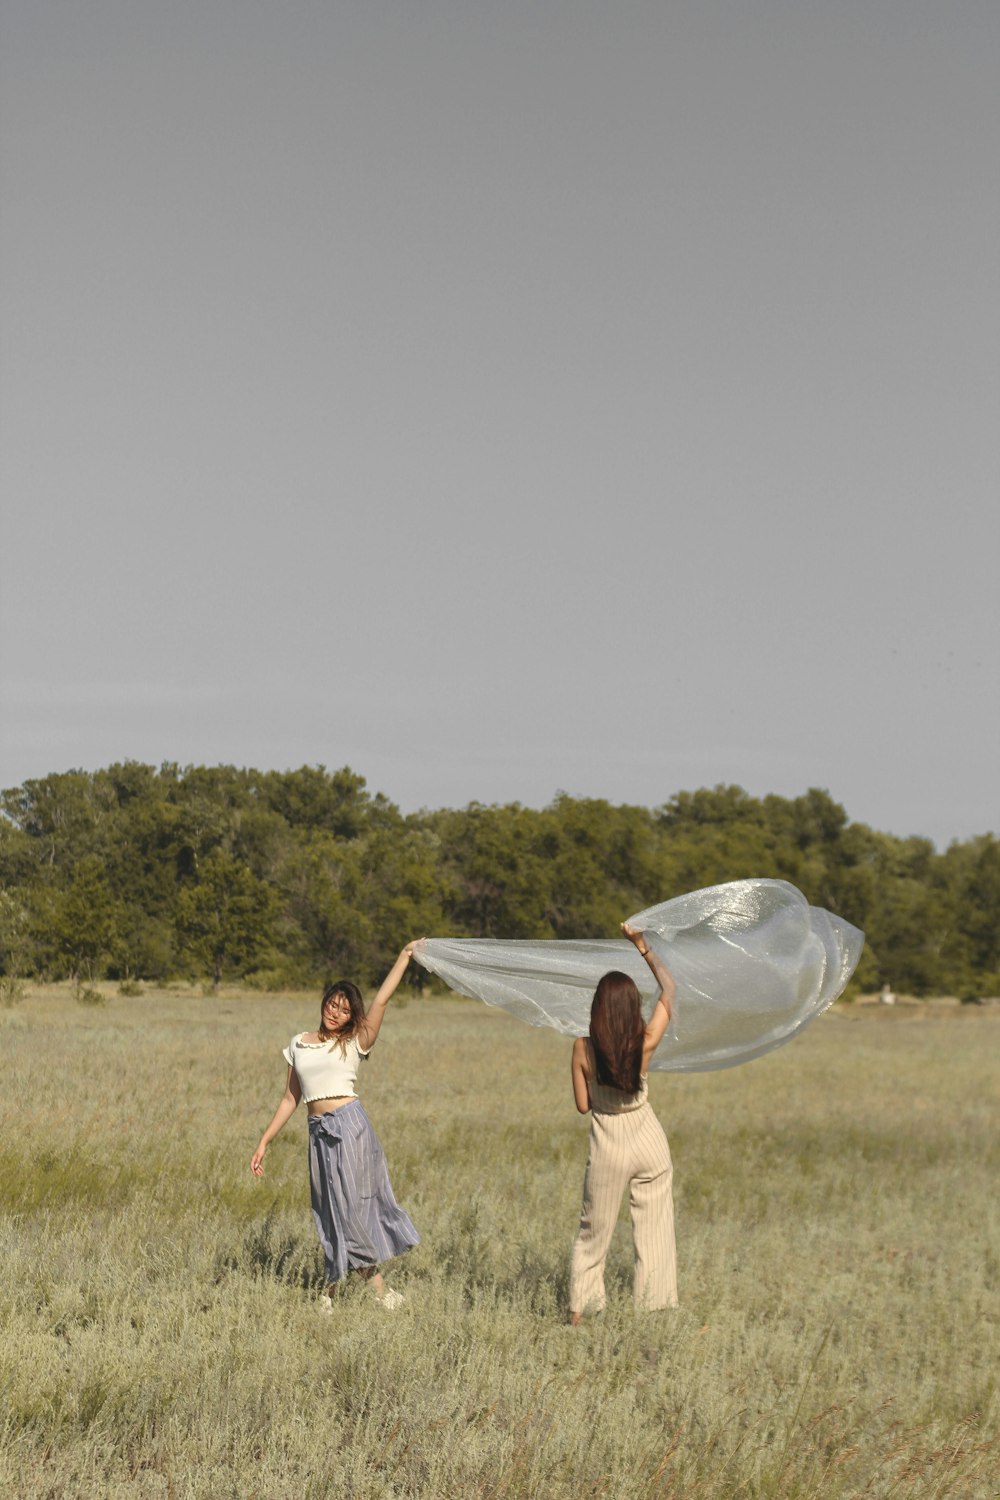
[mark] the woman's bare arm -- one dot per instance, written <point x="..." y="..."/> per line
<point x="372" y="1023"/>
<point x="289" y="1103"/>
<point x="663" y="1009"/>
<point x="581" y="1094"/>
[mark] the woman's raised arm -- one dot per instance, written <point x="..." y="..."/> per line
<point x="663" y="1009"/>
<point x="372" y="1024"/>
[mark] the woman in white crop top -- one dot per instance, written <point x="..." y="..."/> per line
<point x="356" y="1214"/>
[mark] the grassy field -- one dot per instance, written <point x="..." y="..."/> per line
<point x="837" y="1223"/>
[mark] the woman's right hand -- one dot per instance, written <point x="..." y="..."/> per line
<point x="634" y="935"/>
<point x="257" y="1161"/>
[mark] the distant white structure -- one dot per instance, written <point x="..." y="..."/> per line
<point x="886" y="996"/>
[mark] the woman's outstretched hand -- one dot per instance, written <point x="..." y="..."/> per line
<point x="634" y="935"/>
<point x="411" y="948"/>
<point x="257" y="1161"/>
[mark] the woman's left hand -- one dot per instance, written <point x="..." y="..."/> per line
<point x="411" y="948"/>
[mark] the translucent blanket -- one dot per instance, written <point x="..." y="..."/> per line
<point x="753" y="961"/>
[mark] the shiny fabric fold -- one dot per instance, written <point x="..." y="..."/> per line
<point x="357" y="1218"/>
<point x="753" y="961"/>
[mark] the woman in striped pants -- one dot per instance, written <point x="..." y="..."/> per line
<point x="627" y="1143"/>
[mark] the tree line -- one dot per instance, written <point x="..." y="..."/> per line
<point x="282" y="878"/>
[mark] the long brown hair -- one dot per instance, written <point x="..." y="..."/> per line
<point x="353" y="996"/>
<point x="617" y="1032"/>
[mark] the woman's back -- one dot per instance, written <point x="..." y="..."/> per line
<point x="605" y="1099"/>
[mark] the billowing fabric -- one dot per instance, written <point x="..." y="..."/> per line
<point x="357" y="1217"/>
<point x="753" y="961"/>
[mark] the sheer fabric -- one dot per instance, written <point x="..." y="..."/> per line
<point x="753" y="961"/>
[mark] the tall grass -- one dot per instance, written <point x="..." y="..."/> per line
<point x="837" y="1242"/>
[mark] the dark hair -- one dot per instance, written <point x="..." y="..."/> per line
<point x="617" y="1032"/>
<point x="352" y="995"/>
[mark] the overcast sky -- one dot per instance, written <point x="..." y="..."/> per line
<point x="501" y="398"/>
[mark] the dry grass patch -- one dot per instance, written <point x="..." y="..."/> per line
<point x="837" y="1233"/>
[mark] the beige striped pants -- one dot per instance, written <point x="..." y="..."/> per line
<point x="627" y="1149"/>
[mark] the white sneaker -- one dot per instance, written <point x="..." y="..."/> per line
<point x="391" y="1299"/>
<point x="326" y="1305"/>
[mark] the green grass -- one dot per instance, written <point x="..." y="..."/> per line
<point x="837" y="1231"/>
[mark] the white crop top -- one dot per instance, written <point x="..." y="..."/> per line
<point x="324" y="1072"/>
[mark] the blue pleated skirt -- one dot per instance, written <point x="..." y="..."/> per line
<point x="357" y="1217"/>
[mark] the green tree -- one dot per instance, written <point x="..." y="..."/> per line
<point x="66" y="815"/>
<point x="84" y="920"/>
<point x="350" y="904"/>
<point x="327" y="931"/>
<point x="226" y="920"/>
<point x="15" y="936"/>
<point x="321" y="801"/>
<point x="498" y="870"/>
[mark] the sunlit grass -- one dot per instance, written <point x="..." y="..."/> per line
<point x="837" y="1233"/>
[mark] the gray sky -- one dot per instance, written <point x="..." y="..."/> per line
<point x="505" y="398"/>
